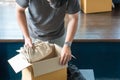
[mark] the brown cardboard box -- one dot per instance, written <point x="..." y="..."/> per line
<point x="93" y="6"/>
<point x="27" y="74"/>
<point x="48" y="69"/>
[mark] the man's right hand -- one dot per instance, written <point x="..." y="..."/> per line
<point x="28" y="42"/>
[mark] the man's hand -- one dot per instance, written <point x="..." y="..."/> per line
<point x="28" y="42"/>
<point x="65" y="55"/>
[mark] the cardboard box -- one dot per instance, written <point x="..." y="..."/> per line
<point x="27" y="74"/>
<point x="93" y="6"/>
<point x="48" y="69"/>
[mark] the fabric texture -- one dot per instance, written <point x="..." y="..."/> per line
<point x="44" y="22"/>
<point x="57" y="3"/>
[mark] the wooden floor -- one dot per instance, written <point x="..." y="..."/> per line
<point x="99" y="26"/>
<point x="95" y="26"/>
<point x="9" y="29"/>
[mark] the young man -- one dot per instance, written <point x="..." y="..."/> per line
<point x="44" y="20"/>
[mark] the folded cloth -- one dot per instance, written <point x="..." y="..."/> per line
<point x="40" y="51"/>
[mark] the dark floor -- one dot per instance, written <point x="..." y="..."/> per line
<point x="103" y="25"/>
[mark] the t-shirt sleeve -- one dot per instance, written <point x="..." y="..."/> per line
<point x="72" y="6"/>
<point x="23" y="3"/>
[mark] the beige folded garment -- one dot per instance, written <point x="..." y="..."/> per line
<point x="40" y="51"/>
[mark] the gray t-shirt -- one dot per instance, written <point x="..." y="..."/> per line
<point x="44" y="22"/>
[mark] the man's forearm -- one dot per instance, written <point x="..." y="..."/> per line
<point x="21" y="18"/>
<point x="71" y="28"/>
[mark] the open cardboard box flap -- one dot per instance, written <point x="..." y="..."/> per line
<point x="49" y="64"/>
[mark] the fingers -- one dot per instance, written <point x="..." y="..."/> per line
<point x="28" y="42"/>
<point x="29" y="45"/>
<point x="65" y="59"/>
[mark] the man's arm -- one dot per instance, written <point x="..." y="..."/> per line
<point x="21" y="18"/>
<point x="71" y="30"/>
<point x="71" y="27"/>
